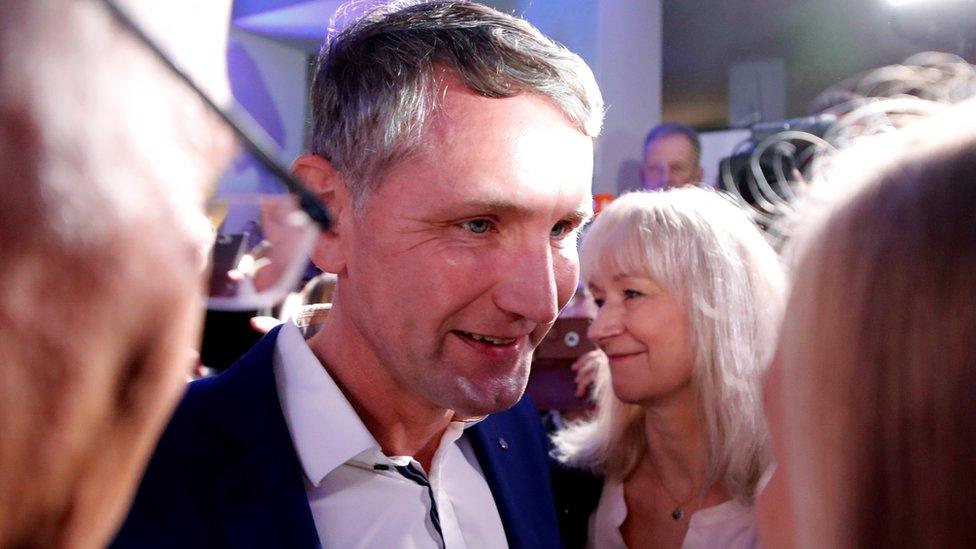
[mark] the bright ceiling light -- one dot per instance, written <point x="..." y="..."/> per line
<point x="903" y="3"/>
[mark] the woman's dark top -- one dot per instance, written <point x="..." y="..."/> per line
<point x="577" y="494"/>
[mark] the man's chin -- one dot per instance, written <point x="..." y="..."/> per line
<point x="472" y="403"/>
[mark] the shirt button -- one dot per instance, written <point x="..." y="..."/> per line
<point x="503" y="443"/>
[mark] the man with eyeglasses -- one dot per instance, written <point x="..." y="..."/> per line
<point x="453" y="145"/>
<point x="106" y="159"/>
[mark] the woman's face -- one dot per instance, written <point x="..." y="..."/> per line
<point x="644" y="330"/>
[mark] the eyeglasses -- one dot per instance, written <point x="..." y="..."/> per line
<point x="253" y="264"/>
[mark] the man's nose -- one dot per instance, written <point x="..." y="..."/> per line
<point x="529" y="284"/>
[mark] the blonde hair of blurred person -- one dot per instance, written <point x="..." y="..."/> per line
<point x="705" y="253"/>
<point x="870" y="398"/>
<point x="105" y="157"/>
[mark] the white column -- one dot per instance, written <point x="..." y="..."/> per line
<point x="628" y="68"/>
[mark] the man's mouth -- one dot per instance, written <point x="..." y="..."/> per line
<point x="490" y="340"/>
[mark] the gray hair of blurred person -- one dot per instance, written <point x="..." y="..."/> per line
<point x="704" y="251"/>
<point x="101" y="265"/>
<point x="376" y="81"/>
<point x="878" y="349"/>
<point x="667" y="129"/>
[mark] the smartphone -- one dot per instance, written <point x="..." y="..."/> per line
<point x="227" y="252"/>
<point x="552" y="384"/>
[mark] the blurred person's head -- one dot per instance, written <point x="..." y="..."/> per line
<point x="455" y="145"/>
<point x="672" y="157"/>
<point x="105" y="160"/>
<point x="715" y="288"/>
<point x="870" y="399"/>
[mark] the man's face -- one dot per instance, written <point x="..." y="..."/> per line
<point x="670" y="162"/>
<point x="460" y="261"/>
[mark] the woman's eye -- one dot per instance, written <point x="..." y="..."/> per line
<point x="632" y="293"/>
<point x="477" y="226"/>
<point x="598" y="303"/>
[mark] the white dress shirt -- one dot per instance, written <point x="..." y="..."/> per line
<point x="729" y="525"/>
<point x="357" y="496"/>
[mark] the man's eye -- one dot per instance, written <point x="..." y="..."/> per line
<point x="560" y="229"/>
<point x="477" y="226"/>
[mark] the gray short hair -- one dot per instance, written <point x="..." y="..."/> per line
<point x="706" y="252"/>
<point x="375" y="81"/>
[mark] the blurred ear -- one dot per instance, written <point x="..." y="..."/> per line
<point x="698" y="174"/>
<point x="324" y="181"/>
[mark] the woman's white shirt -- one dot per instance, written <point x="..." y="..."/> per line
<point x="726" y="525"/>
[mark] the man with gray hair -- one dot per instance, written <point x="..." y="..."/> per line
<point x="106" y="159"/>
<point x="454" y="145"/>
<point x="672" y="157"/>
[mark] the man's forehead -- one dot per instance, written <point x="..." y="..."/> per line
<point x="670" y="143"/>
<point x="453" y="97"/>
<point x="514" y="156"/>
<point x="671" y="156"/>
<point x="500" y="151"/>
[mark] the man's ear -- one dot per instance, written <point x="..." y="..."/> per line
<point x="699" y="175"/>
<point x="317" y="173"/>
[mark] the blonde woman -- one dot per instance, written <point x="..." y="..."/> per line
<point x="689" y="294"/>
<point x="871" y="397"/>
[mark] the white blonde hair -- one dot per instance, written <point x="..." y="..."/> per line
<point x="706" y="252"/>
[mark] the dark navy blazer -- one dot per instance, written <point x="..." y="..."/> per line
<point x="225" y="473"/>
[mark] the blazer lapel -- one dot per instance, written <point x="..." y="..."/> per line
<point x="511" y="450"/>
<point x="261" y="483"/>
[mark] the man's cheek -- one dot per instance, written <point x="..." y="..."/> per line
<point x="467" y="269"/>
<point x="566" y="273"/>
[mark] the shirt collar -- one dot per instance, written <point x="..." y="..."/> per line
<point x="324" y="427"/>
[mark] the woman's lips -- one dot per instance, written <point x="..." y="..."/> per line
<point x="621" y="357"/>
